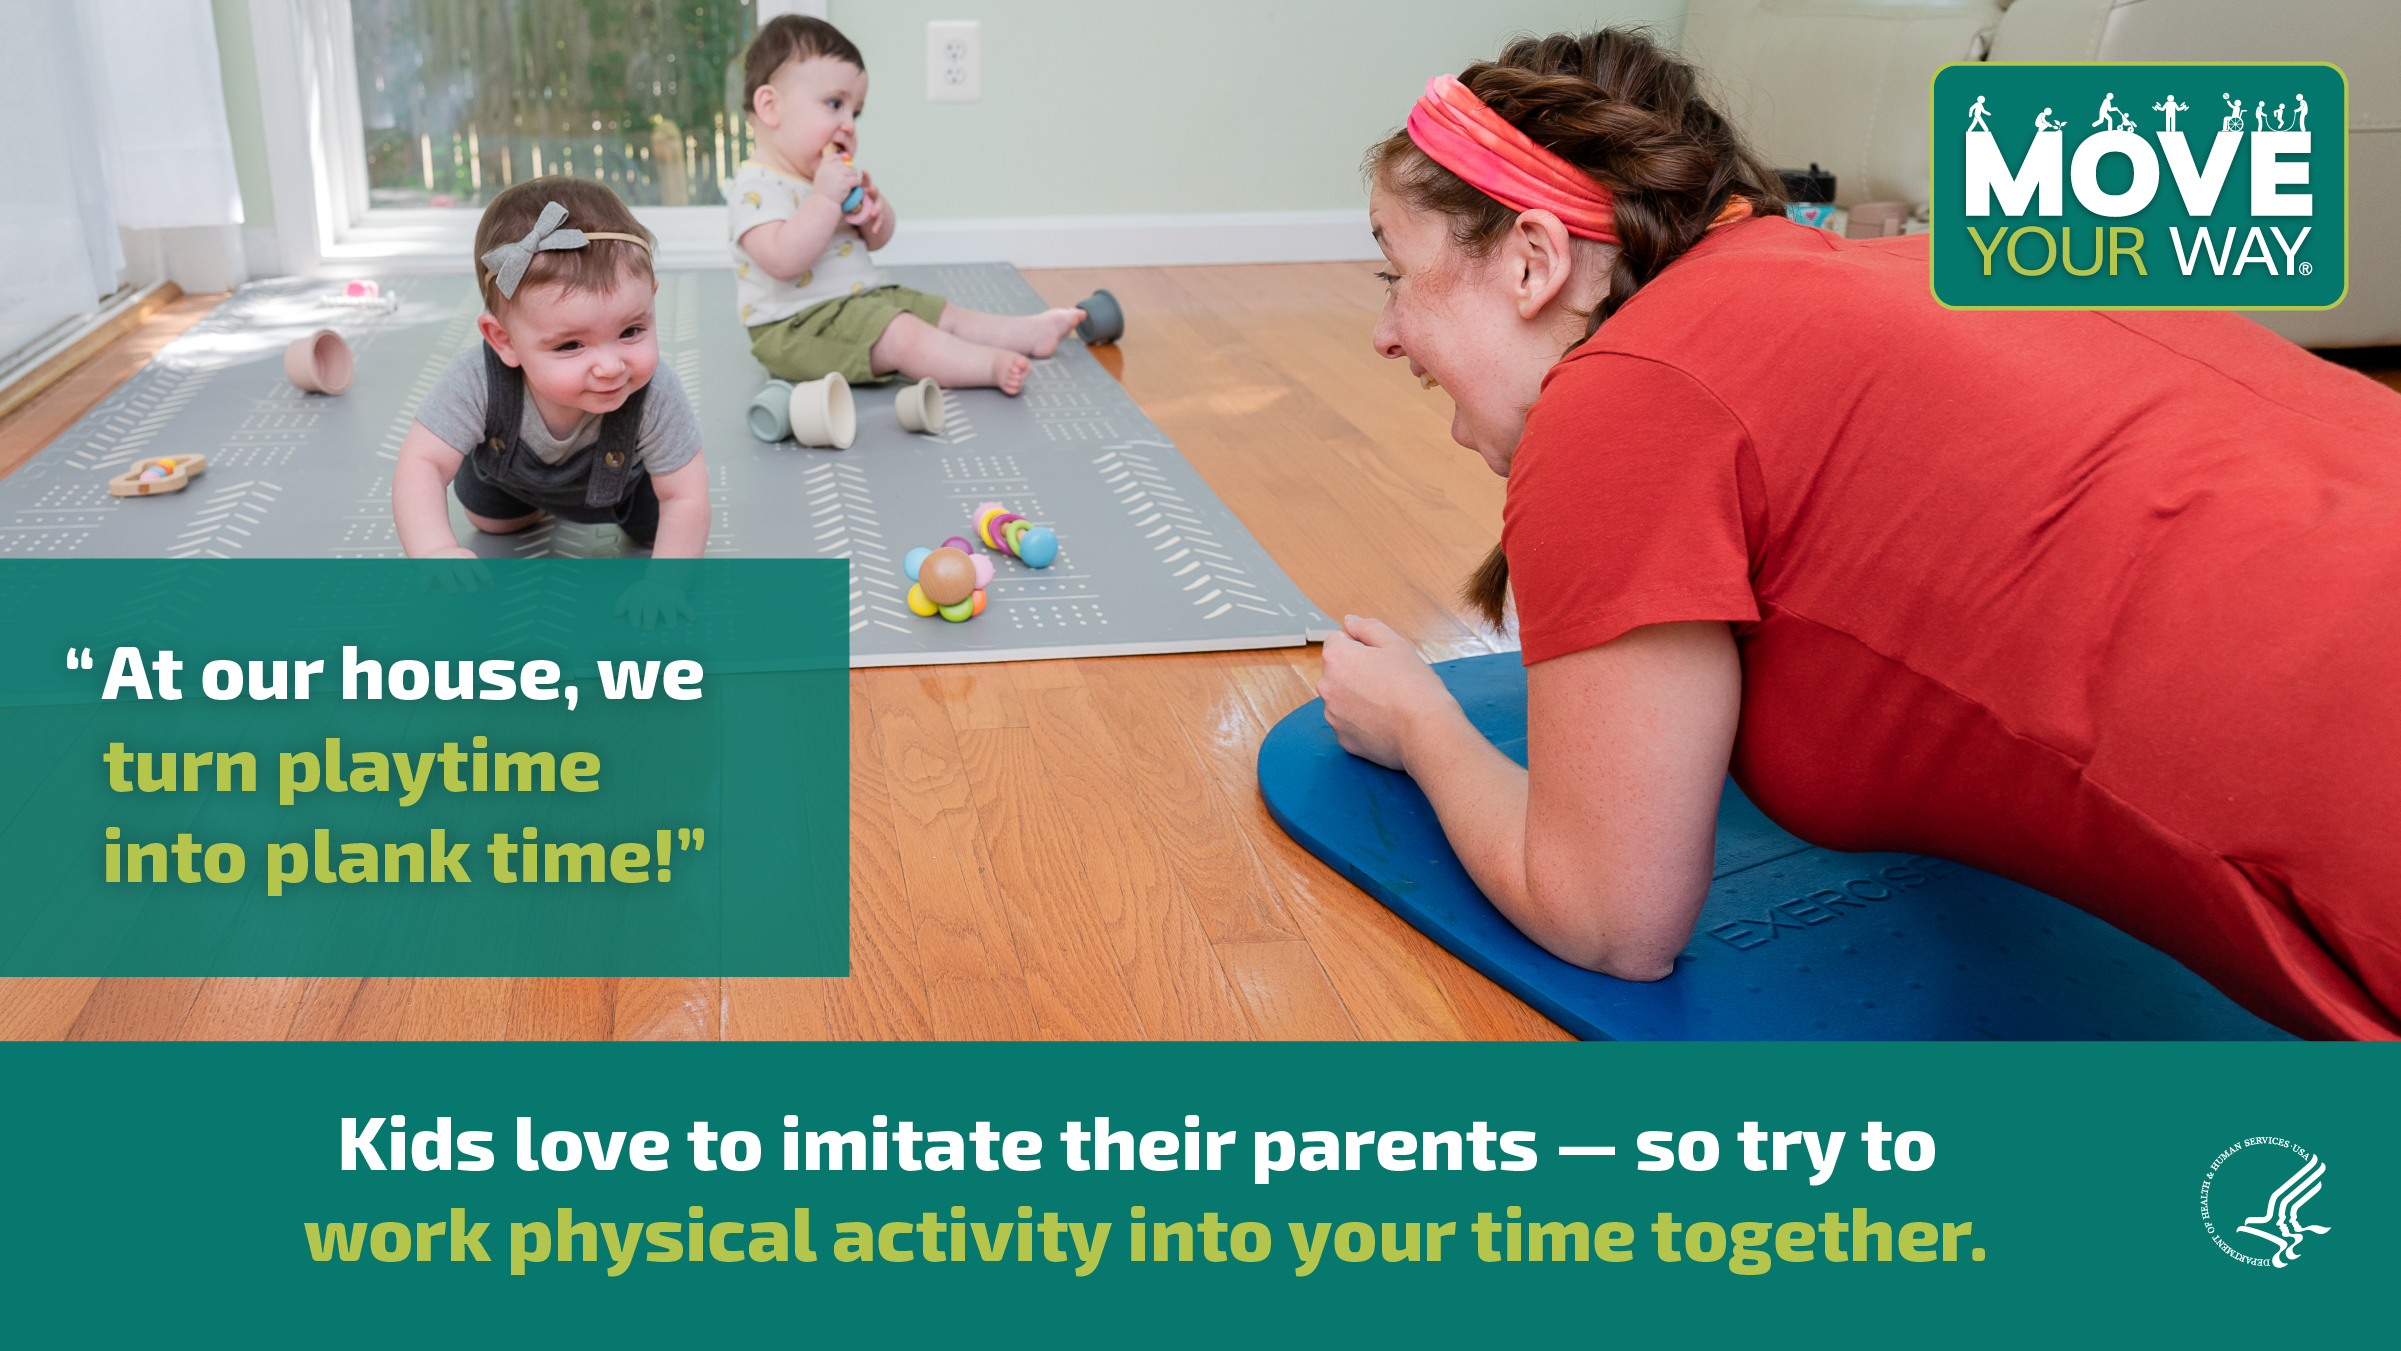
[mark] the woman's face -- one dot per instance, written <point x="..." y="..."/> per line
<point x="1486" y="329"/>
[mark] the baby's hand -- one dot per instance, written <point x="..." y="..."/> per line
<point x="834" y="178"/>
<point x="456" y="570"/>
<point x="646" y="604"/>
<point x="871" y="206"/>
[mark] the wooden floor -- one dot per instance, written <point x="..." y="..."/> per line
<point x="1044" y="849"/>
<point x="1047" y="849"/>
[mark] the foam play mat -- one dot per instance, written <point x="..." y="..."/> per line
<point x="1794" y="942"/>
<point x="1149" y="559"/>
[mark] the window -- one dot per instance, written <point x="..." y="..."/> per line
<point x="460" y="98"/>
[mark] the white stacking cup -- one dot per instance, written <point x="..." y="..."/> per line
<point x="822" y="413"/>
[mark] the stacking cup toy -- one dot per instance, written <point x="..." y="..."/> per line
<point x="921" y="408"/>
<point x="319" y="363"/>
<point x="770" y="414"/>
<point x="822" y="413"/>
<point x="1104" y="319"/>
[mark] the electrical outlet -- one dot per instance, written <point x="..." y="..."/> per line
<point x="954" y="61"/>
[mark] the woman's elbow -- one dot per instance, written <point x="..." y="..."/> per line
<point x="1632" y="937"/>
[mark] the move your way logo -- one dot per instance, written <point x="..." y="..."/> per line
<point x="2101" y="186"/>
<point x="2236" y="1176"/>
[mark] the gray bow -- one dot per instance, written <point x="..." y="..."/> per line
<point x="508" y="262"/>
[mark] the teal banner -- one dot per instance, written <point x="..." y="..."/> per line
<point x="2139" y="186"/>
<point x="1994" y="1195"/>
<point x="394" y="769"/>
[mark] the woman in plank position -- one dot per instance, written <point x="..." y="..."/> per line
<point x="2104" y="603"/>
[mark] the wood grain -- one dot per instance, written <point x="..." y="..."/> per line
<point x="1065" y="849"/>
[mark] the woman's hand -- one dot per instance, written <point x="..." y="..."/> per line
<point x="1379" y="693"/>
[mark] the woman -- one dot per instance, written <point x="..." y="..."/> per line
<point x="2104" y="603"/>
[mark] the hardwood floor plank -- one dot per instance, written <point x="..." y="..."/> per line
<point x="777" y="1008"/>
<point x="666" y="1008"/>
<point x="1218" y="874"/>
<point x="978" y="697"/>
<point x="1179" y="990"/>
<point x="453" y="1008"/>
<point x="42" y="1008"/>
<point x="885" y="994"/>
<point x="325" y="1007"/>
<point x="1037" y="870"/>
<point x="1286" y="992"/>
<point x="249" y="1008"/>
<point x="135" y="1008"/>
<point x="975" y="986"/>
<point x="561" y="1008"/>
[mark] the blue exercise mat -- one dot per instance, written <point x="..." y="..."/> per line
<point x="1795" y="942"/>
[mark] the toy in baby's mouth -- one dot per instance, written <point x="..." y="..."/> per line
<point x="948" y="581"/>
<point x="1036" y="546"/>
<point x="857" y="194"/>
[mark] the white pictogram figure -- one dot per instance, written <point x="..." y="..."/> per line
<point x="2109" y="110"/>
<point x="2043" y="122"/>
<point x="2279" y="117"/>
<point x="2284" y="1211"/>
<point x="1975" y="115"/>
<point x="2234" y="118"/>
<point x="2300" y="112"/>
<point x="2259" y="116"/>
<point x="2171" y="108"/>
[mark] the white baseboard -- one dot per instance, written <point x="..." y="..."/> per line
<point x="694" y="237"/>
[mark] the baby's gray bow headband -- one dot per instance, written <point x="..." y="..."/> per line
<point x="507" y="263"/>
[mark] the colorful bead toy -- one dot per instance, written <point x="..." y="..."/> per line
<point x="1036" y="546"/>
<point x="948" y="581"/>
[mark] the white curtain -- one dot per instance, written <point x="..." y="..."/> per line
<point x="58" y="238"/>
<point x="161" y="112"/>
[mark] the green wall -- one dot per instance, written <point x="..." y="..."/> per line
<point x="1102" y="107"/>
<point x="237" y="60"/>
<point x="1108" y="107"/>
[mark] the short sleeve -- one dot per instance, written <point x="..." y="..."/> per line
<point x="454" y="408"/>
<point x="756" y="200"/>
<point x="670" y="429"/>
<point x="1624" y="507"/>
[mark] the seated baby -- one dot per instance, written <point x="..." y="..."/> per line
<point x="815" y="304"/>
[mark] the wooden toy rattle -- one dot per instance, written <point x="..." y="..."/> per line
<point x="158" y="474"/>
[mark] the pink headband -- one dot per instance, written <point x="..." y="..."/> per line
<point x="1459" y="133"/>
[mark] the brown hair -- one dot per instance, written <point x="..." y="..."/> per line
<point x="1624" y="110"/>
<point x="590" y="206"/>
<point x="791" y="37"/>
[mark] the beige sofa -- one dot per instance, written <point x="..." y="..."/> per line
<point x="1843" y="83"/>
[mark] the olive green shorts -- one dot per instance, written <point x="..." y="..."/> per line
<point x="835" y="335"/>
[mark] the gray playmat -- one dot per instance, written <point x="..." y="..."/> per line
<point x="1149" y="559"/>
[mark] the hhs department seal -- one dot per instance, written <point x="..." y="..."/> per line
<point x="2251" y="1200"/>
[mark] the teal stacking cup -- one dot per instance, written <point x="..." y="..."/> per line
<point x="771" y="412"/>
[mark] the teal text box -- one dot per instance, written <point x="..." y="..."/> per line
<point x="2062" y="1188"/>
<point x="421" y="812"/>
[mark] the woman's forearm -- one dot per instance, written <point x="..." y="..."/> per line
<point x="1479" y="795"/>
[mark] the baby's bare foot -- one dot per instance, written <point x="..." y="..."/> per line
<point x="1009" y="370"/>
<point x="1048" y="327"/>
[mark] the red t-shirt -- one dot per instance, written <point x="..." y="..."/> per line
<point x="2109" y="604"/>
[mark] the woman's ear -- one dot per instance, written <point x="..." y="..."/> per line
<point x="494" y="334"/>
<point x="1541" y="260"/>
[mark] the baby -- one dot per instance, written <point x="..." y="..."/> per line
<point x="813" y="301"/>
<point x="563" y="408"/>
